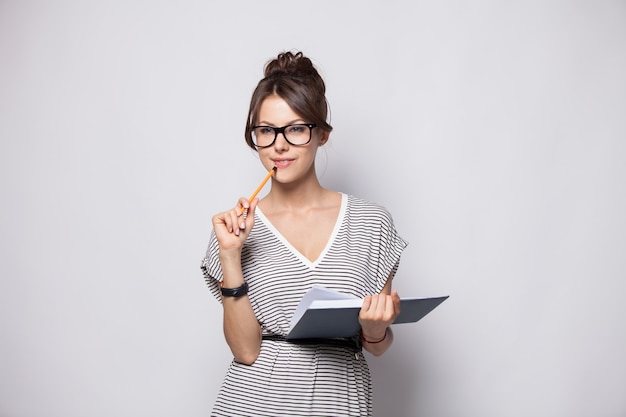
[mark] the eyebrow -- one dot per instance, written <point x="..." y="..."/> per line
<point x="266" y="123"/>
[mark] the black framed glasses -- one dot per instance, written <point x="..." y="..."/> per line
<point x="297" y="134"/>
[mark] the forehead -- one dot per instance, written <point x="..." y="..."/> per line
<point x="276" y="111"/>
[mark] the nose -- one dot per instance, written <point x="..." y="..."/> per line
<point x="280" y="143"/>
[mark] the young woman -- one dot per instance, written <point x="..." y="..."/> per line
<point x="264" y="255"/>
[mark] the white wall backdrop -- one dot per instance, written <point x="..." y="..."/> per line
<point x="495" y="132"/>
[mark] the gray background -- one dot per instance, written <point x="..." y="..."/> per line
<point x="493" y="131"/>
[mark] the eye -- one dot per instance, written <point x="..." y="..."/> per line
<point x="296" y="129"/>
<point x="264" y="130"/>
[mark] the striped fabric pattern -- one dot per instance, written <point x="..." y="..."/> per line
<point x="306" y="380"/>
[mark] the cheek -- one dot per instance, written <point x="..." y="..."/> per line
<point x="312" y="153"/>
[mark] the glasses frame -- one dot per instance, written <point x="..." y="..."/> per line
<point x="278" y="130"/>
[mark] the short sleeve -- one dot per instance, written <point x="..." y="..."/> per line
<point x="391" y="246"/>
<point x="211" y="267"/>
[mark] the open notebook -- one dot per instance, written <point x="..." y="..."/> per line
<point x="325" y="313"/>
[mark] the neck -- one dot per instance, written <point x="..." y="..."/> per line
<point x="296" y="196"/>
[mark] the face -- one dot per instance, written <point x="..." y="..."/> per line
<point x="293" y="162"/>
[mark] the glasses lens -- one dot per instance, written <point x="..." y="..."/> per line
<point x="263" y="135"/>
<point x="298" y="134"/>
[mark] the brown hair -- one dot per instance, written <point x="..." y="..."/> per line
<point x="294" y="79"/>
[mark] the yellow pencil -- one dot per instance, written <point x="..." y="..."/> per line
<point x="258" y="189"/>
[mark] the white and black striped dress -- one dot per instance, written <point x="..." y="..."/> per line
<point x="306" y="380"/>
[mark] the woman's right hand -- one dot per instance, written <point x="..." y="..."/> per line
<point x="241" y="327"/>
<point x="232" y="227"/>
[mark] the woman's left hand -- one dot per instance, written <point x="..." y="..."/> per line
<point x="378" y="312"/>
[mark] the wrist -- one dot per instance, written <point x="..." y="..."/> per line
<point x="373" y="339"/>
<point x="236" y="292"/>
<point x="231" y="255"/>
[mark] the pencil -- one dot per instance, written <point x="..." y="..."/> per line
<point x="258" y="189"/>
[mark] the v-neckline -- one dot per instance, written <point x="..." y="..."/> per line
<point x="306" y="261"/>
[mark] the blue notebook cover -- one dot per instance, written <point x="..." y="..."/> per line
<point x="325" y="313"/>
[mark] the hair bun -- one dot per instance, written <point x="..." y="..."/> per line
<point x="290" y="65"/>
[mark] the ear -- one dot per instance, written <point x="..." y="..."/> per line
<point x="324" y="137"/>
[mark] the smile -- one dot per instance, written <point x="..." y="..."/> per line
<point x="283" y="163"/>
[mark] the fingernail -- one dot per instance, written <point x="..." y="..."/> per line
<point x="242" y="225"/>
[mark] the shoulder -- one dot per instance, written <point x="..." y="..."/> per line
<point x="365" y="209"/>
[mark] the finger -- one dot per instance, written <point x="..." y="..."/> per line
<point x="217" y="220"/>
<point x="233" y="222"/>
<point x="375" y="303"/>
<point x="225" y="219"/>
<point x="251" y="209"/>
<point x="392" y="309"/>
<point x="367" y="303"/>
<point x="383" y="306"/>
<point x="242" y="205"/>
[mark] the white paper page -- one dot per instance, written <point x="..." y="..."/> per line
<point x="337" y="303"/>
<point x="317" y="292"/>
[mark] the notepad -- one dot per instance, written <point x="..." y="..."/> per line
<point x="325" y="313"/>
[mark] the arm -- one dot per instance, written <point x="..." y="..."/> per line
<point x="241" y="327"/>
<point x="377" y="313"/>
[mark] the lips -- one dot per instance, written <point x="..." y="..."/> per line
<point x="282" y="163"/>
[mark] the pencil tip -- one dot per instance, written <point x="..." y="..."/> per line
<point x="275" y="169"/>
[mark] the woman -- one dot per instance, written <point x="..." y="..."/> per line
<point x="264" y="255"/>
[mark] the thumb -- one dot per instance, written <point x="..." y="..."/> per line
<point x="395" y="298"/>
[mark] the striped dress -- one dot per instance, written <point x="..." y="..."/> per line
<point x="306" y="380"/>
